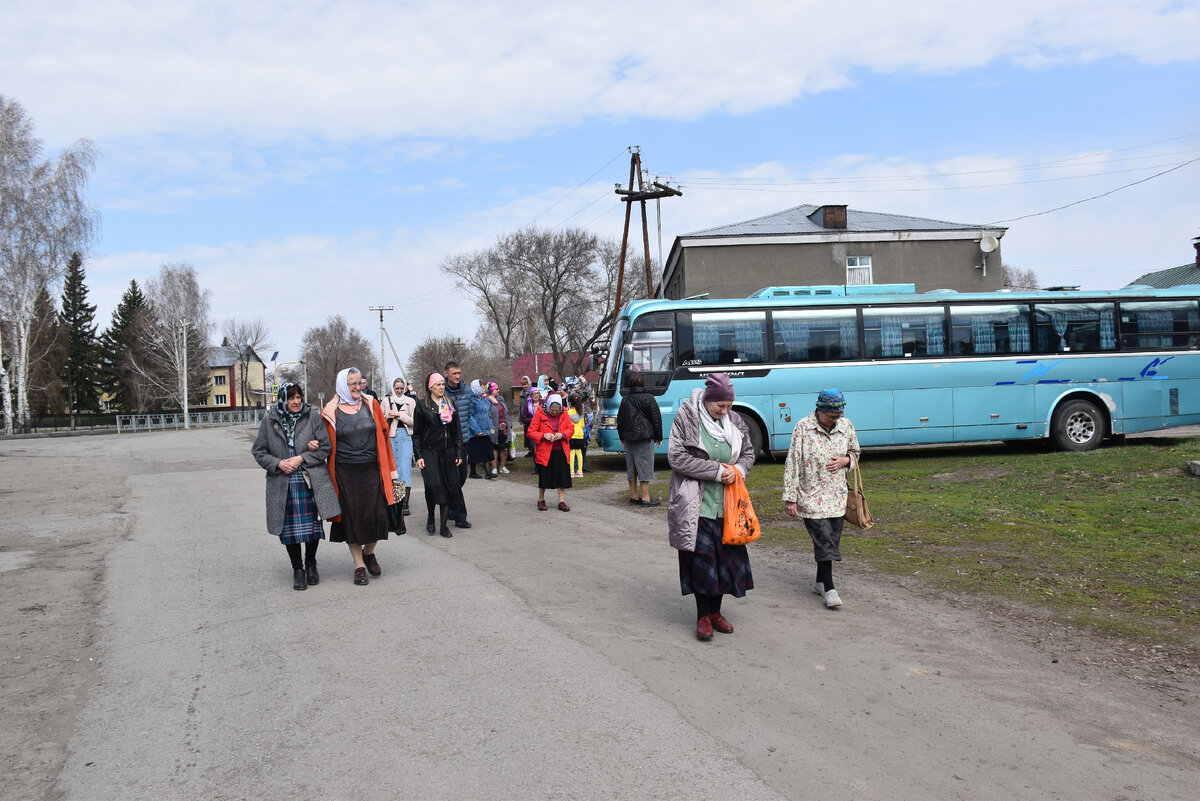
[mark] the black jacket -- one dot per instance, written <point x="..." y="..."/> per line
<point x="429" y="434"/>
<point x="638" y="418"/>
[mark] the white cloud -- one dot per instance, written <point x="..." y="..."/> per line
<point x="376" y="69"/>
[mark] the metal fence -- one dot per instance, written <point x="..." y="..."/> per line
<point x="163" y="422"/>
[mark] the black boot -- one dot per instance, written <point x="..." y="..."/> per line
<point x="429" y="526"/>
<point x="299" y="579"/>
<point x="404" y="503"/>
<point x="310" y="569"/>
<point x="403" y="528"/>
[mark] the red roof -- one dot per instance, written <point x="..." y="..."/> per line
<point x="534" y="364"/>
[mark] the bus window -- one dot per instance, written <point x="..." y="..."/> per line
<point x="652" y="354"/>
<point x="1075" y="327"/>
<point x="722" y="338"/>
<point x="817" y="335"/>
<point x="1160" y="324"/>
<point x="979" y="330"/>
<point x="900" y="333"/>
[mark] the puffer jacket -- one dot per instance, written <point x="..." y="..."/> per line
<point x="461" y="396"/>
<point x="691" y="469"/>
<point x="638" y="418"/>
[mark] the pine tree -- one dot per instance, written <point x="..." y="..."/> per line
<point x="116" y="382"/>
<point x="81" y="373"/>
<point x="47" y="358"/>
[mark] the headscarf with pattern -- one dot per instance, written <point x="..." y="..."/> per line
<point x="289" y="419"/>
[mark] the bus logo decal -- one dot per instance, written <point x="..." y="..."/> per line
<point x="1149" y="372"/>
<point x="1040" y="369"/>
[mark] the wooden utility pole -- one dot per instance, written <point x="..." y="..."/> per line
<point x="640" y="195"/>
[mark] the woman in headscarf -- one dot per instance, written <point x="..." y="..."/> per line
<point x="363" y="471"/>
<point x="531" y="404"/>
<point x="399" y="411"/>
<point x="479" y="429"/>
<point x="551" y="430"/>
<point x="437" y="437"/>
<point x="502" y="437"/>
<point x="292" y="447"/>
<point x="708" y="444"/>
<point x="824" y="447"/>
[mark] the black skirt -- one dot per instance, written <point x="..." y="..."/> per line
<point x="480" y="449"/>
<point x="440" y="476"/>
<point x="556" y="474"/>
<point x="364" y="510"/>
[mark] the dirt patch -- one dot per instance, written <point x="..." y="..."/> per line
<point x="964" y="476"/>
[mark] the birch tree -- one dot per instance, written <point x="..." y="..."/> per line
<point x="44" y="218"/>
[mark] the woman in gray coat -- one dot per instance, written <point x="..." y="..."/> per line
<point x="292" y="446"/>
<point x="708" y="443"/>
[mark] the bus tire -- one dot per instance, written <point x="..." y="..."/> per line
<point x="1078" y="425"/>
<point x="757" y="438"/>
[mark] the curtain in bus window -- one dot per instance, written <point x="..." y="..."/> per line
<point x="935" y="338"/>
<point x="706" y="339"/>
<point x="849" y="337"/>
<point x="982" y="334"/>
<point x="795" y="338"/>
<point x="1108" y="330"/>
<point x="1160" y="324"/>
<point x="890" y="339"/>
<point x="1018" y="333"/>
<point x="1076" y="327"/>
<point x="748" y="336"/>
<point x="1156" y="323"/>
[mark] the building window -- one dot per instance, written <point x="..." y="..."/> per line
<point x="858" y="270"/>
<point x="219" y="380"/>
<point x="221" y="400"/>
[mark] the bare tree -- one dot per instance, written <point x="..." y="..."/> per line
<point x="246" y="335"/>
<point x="44" y="218"/>
<point x="333" y="347"/>
<point x="497" y="295"/>
<point x="1017" y="278"/>
<point x="171" y="357"/>
<point x="431" y="356"/>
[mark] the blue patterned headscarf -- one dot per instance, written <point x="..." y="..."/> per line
<point x="289" y="419"/>
<point x="831" y="400"/>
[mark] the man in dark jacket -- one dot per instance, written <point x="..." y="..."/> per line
<point x="460" y="395"/>
<point x="639" y="425"/>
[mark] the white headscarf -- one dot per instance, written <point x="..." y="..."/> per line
<point x="343" y="387"/>
<point x="476" y="389"/>
<point x="720" y="430"/>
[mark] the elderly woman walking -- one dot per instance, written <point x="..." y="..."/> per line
<point x="824" y="445"/>
<point x="292" y="446"/>
<point x="707" y="446"/>
<point x="362" y="468"/>
<point x="551" y="431"/>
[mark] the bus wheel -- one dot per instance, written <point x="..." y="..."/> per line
<point x="756" y="436"/>
<point x="1078" y="425"/>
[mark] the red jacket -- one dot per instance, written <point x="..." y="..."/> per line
<point x="542" y="424"/>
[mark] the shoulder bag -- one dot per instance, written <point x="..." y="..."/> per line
<point x="857" y="512"/>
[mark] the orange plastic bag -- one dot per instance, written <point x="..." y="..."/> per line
<point x="741" y="524"/>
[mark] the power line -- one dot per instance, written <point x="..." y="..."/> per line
<point x="581" y="183"/>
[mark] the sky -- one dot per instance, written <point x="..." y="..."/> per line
<point x="313" y="158"/>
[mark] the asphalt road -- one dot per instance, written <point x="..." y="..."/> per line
<point x="536" y="655"/>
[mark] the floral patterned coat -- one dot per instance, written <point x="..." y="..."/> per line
<point x="818" y="492"/>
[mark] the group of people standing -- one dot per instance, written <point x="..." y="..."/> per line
<point x="353" y="459"/>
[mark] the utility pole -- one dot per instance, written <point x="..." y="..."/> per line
<point x="628" y="197"/>
<point x="382" y="363"/>
<point x="184" y="325"/>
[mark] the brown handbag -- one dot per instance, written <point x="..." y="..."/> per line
<point x="856" y="503"/>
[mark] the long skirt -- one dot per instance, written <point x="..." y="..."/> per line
<point x="402" y="449"/>
<point x="479" y="449"/>
<point x="556" y="474"/>
<point x="364" y="510"/>
<point x="440" y="477"/>
<point x="715" y="568"/>
<point x="300" y="521"/>
<point x="826" y="533"/>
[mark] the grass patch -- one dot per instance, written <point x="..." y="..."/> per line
<point x="1108" y="540"/>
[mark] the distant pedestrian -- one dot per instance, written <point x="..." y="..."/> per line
<point x="709" y="444"/>
<point x="824" y="447"/>
<point x="479" y="447"/>
<point x="551" y="429"/>
<point x="639" y="425"/>
<point x="532" y="402"/>
<point x="437" y="438"/>
<point x="399" y="413"/>
<point x="502" y="439"/>
<point x="292" y="446"/>
<point x="578" y="426"/>
<point x="460" y="395"/>
<point x="363" y="470"/>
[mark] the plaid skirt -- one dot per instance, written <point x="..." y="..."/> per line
<point x="300" y="521"/>
<point x="714" y="568"/>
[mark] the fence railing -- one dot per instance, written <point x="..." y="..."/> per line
<point x="163" y="422"/>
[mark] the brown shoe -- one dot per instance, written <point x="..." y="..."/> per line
<point x="360" y="576"/>
<point x="542" y="506"/>
<point x="704" y="630"/>
<point x="720" y="623"/>
<point x="372" y="565"/>
<point x="562" y="506"/>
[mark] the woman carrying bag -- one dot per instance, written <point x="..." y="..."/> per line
<point x="824" y="446"/>
<point x="709" y="446"/>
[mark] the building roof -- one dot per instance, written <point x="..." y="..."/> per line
<point x="533" y="365"/>
<point x="804" y="219"/>
<point x="227" y="356"/>
<point x="1174" y="276"/>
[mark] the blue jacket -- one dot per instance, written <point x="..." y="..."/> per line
<point x="461" y="398"/>
<point x="480" y="423"/>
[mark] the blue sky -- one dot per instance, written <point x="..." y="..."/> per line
<point x="312" y="159"/>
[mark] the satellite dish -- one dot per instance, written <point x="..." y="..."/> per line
<point x="989" y="243"/>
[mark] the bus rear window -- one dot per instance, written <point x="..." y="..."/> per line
<point x="1160" y="324"/>
<point x="817" y="335"/>
<point x="722" y="338"/>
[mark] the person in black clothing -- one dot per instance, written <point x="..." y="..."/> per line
<point x="437" y="441"/>
<point x="460" y="396"/>
<point x="639" y="425"/>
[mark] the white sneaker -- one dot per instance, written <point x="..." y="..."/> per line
<point x="504" y="470"/>
<point x="495" y="472"/>
<point x="818" y="588"/>
<point x="832" y="601"/>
